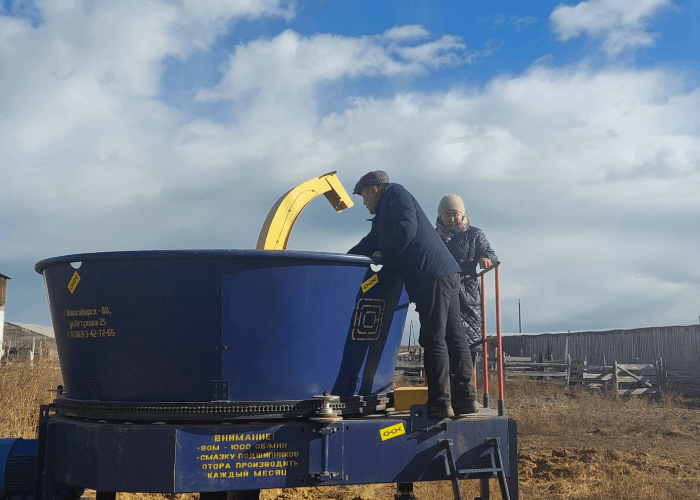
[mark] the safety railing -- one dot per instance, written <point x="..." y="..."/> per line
<point x="491" y="340"/>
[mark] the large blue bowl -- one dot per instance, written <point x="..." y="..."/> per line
<point x="223" y="325"/>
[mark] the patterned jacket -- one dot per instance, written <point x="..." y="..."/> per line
<point x="468" y="247"/>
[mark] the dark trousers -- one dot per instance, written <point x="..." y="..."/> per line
<point x="445" y="342"/>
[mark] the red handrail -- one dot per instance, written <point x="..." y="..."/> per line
<point x="484" y="345"/>
<point x="499" y="343"/>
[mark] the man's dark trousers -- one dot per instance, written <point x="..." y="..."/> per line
<point x="445" y="343"/>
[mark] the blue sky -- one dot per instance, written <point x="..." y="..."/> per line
<point x="571" y="130"/>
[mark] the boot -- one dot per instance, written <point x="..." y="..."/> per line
<point x="467" y="409"/>
<point x="440" y="413"/>
<point x="437" y="372"/>
<point x="463" y="392"/>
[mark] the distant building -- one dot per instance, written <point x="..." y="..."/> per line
<point x="3" y="296"/>
<point x="26" y="342"/>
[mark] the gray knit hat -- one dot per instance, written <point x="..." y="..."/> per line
<point x="371" y="179"/>
<point x="451" y="202"/>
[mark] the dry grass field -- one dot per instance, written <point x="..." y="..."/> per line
<point x="22" y="391"/>
<point x="573" y="445"/>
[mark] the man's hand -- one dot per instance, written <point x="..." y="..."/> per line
<point x="485" y="262"/>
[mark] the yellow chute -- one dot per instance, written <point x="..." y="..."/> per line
<point x="275" y="232"/>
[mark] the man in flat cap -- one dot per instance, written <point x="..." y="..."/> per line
<point x="407" y="240"/>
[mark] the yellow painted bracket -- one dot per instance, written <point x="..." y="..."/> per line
<point x="275" y="232"/>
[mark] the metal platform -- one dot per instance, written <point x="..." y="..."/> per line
<point x="401" y="447"/>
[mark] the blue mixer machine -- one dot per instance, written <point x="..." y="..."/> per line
<point x="226" y="372"/>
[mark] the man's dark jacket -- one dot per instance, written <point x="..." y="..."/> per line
<point x="407" y="240"/>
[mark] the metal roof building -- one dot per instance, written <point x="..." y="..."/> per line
<point x="24" y="341"/>
<point x="3" y="296"/>
<point x="26" y="332"/>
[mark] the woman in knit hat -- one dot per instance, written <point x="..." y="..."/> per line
<point x="470" y="248"/>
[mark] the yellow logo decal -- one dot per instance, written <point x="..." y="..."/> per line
<point x="370" y="283"/>
<point x="392" y="432"/>
<point x="74" y="282"/>
<point x="367" y="323"/>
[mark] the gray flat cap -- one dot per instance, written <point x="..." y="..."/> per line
<point x="371" y="179"/>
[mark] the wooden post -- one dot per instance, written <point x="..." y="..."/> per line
<point x="410" y="332"/>
<point x="615" y="380"/>
<point x="660" y="376"/>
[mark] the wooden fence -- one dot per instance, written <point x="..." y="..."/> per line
<point x="601" y="347"/>
<point x="557" y="372"/>
<point x="623" y="378"/>
<point x="683" y="375"/>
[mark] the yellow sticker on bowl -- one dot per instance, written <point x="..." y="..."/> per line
<point x="370" y="283"/>
<point x="392" y="432"/>
<point x="75" y="279"/>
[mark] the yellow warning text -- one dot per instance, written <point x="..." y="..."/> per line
<point x="244" y="437"/>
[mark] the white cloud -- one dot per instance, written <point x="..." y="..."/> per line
<point x="79" y="116"/>
<point x="407" y="32"/>
<point x="576" y="132"/>
<point x="291" y="63"/>
<point x="435" y="54"/>
<point x="621" y="24"/>
<point x="521" y="22"/>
